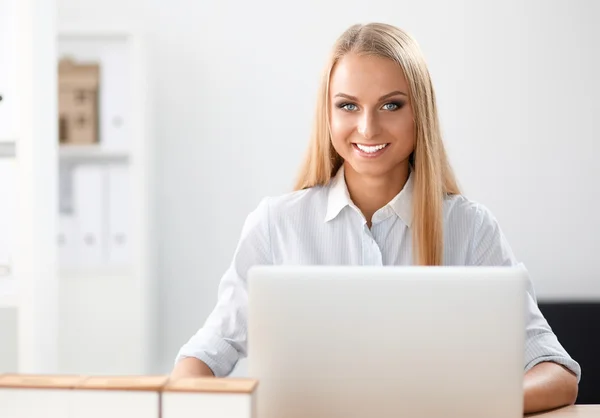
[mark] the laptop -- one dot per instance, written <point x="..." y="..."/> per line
<point x="378" y="342"/>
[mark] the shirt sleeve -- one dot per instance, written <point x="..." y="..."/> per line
<point x="490" y="248"/>
<point x="222" y="340"/>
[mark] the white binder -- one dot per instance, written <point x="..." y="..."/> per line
<point x="89" y="210"/>
<point x="119" y="197"/>
<point x="67" y="241"/>
<point x="115" y="101"/>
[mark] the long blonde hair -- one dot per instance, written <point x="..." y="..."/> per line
<point x="433" y="176"/>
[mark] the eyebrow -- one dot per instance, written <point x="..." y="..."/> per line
<point x="385" y="96"/>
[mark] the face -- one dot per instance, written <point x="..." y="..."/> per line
<point x="371" y="119"/>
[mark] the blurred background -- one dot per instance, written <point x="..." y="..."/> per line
<point x="136" y="136"/>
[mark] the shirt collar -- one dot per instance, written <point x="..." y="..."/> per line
<point x="338" y="198"/>
<point x="402" y="202"/>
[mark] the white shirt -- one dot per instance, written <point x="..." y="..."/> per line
<point x="321" y="225"/>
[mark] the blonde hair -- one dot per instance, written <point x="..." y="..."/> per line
<point x="433" y="176"/>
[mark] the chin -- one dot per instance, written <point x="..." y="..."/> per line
<point x="371" y="169"/>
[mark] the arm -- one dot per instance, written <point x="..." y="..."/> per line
<point x="551" y="375"/>
<point x="191" y="367"/>
<point x="548" y="386"/>
<point x="218" y="345"/>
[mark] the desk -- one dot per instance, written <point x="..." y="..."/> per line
<point x="574" y="411"/>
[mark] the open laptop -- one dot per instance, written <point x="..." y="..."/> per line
<point x="378" y="342"/>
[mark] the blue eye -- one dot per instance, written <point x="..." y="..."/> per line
<point x="392" y="106"/>
<point x="348" y="107"/>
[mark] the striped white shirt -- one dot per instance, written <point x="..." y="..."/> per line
<point x="322" y="226"/>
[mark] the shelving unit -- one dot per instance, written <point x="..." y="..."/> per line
<point x="85" y="154"/>
<point x="105" y="307"/>
<point x="107" y="283"/>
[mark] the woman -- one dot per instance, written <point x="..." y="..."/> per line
<point x="376" y="188"/>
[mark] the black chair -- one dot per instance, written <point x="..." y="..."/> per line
<point x="577" y="326"/>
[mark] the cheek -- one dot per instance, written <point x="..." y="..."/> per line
<point x="341" y="128"/>
<point x="402" y="130"/>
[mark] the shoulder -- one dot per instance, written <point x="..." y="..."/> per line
<point x="297" y="204"/>
<point x="290" y="208"/>
<point x="475" y="224"/>
<point x="462" y="210"/>
<point x="297" y="199"/>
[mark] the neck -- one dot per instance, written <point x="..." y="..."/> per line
<point x="371" y="193"/>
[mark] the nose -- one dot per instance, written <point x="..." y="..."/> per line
<point x="368" y="125"/>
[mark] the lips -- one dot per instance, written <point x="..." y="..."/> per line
<point x="371" y="148"/>
<point x="369" y="151"/>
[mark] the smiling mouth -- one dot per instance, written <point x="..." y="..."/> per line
<point x="369" y="149"/>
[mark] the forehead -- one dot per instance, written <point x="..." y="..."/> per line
<point x="366" y="76"/>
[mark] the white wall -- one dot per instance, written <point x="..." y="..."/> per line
<point x="234" y="85"/>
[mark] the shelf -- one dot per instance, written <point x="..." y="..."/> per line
<point x="83" y="153"/>
<point x="79" y="273"/>
<point x="8" y="293"/>
<point x="86" y="32"/>
<point x="7" y="149"/>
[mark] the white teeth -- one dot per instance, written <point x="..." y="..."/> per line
<point x="371" y="149"/>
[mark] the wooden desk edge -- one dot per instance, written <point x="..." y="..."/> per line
<point x="572" y="411"/>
